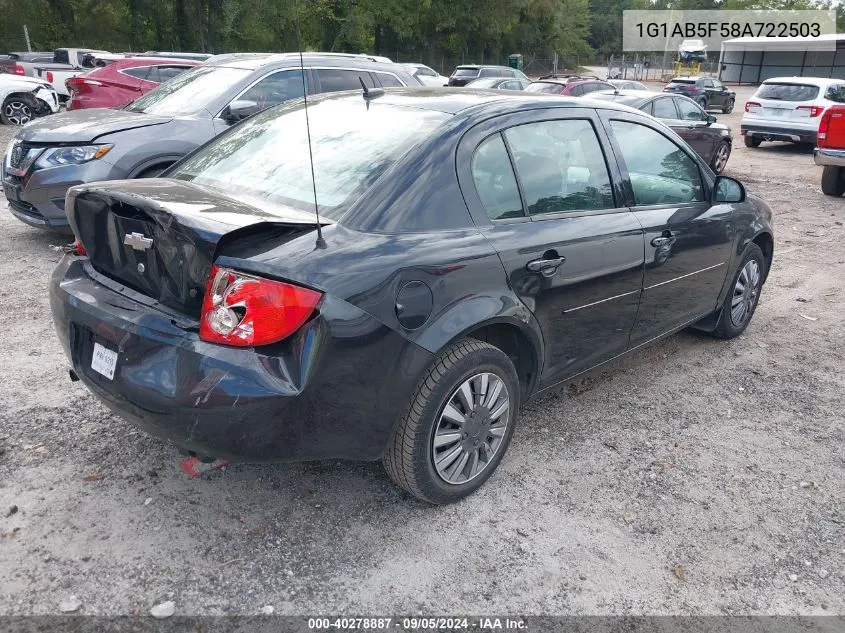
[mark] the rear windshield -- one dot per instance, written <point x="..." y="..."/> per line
<point x="352" y="142"/>
<point x="687" y="82"/>
<point x="190" y="92"/>
<point x="544" y="87"/>
<point x="788" y="92"/>
<point x="465" y="72"/>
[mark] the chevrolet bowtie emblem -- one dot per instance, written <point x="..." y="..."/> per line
<point x="138" y="241"/>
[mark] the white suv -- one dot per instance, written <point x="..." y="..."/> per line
<point x="24" y="98"/>
<point x="788" y="109"/>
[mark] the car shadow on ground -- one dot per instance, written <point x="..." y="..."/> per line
<point x="785" y="148"/>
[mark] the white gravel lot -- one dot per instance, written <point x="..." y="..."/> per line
<point x="696" y="477"/>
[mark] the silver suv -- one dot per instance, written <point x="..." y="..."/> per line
<point x="150" y="134"/>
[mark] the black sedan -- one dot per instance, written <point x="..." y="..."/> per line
<point x="710" y="139"/>
<point x="473" y="249"/>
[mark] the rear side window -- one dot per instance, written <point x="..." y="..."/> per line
<point x="561" y="166"/>
<point x="495" y="181"/>
<point x="466" y="72"/>
<point x="788" y="92"/>
<point x="169" y="72"/>
<point x="836" y="93"/>
<point x="660" y="171"/>
<point x="139" y="72"/>
<point x="389" y="81"/>
<point x="545" y="88"/>
<point x="336" y="79"/>
<point x="577" y="91"/>
<point x="664" y="109"/>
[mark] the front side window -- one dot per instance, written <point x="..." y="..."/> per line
<point x="561" y="166"/>
<point x="689" y="111"/>
<point x="660" y="171"/>
<point x="494" y="180"/>
<point x="265" y="159"/>
<point x="275" y="89"/>
<point x="664" y="109"/>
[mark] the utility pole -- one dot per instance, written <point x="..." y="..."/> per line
<point x="26" y="37"/>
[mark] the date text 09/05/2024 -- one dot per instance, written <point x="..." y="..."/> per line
<point x="729" y="29"/>
<point x="417" y="623"/>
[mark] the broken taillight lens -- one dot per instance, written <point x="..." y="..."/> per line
<point x="245" y="310"/>
<point x="76" y="248"/>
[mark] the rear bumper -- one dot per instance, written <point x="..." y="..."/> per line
<point x="333" y="390"/>
<point x="777" y="132"/>
<point x="834" y="157"/>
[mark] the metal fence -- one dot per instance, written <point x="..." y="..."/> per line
<point x="657" y="67"/>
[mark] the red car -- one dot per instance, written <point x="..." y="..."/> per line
<point x="830" y="150"/>
<point x="122" y="81"/>
<point x="568" y="85"/>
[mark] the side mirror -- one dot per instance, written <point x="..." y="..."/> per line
<point x="239" y="110"/>
<point x="728" y="190"/>
<point x="711" y="119"/>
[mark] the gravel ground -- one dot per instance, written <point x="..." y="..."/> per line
<point x="698" y="476"/>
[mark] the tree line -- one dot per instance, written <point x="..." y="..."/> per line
<point x="437" y="32"/>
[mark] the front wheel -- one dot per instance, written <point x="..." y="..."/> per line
<point x="18" y="109"/>
<point x="833" y="180"/>
<point x="458" y="424"/>
<point x="741" y="302"/>
<point x="729" y="107"/>
<point x="703" y="103"/>
<point x="720" y="157"/>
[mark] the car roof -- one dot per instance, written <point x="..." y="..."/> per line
<point x="128" y="62"/>
<point x="474" y="66"/>
<point x="691" y="77"/>
<point x="813" y="81"/>
<point x="253" y="61"/>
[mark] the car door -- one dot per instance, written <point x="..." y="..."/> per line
<point x="687" y="239"/>
<point x="715" y="93"/>
<point x="542" y="192"/>
<point x="695" y="127"/>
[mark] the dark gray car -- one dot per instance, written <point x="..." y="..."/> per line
<point x="147" y="136"/>
<point x="712" y="141"/>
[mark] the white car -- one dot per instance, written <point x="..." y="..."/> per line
<point x="788" y="109"/>
<point x="427" y="76"/>
<point x="24" y="98"/>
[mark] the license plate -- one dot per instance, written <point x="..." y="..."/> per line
<point x="776" y="112"/>
<point x="104" y="361"/>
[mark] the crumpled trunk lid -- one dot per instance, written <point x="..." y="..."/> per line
<point x="160" y="237"/>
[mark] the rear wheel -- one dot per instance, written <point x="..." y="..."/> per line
<point x="18" y="109"/>
<point x="728" y="107"/>
<point x="702" y="102"/>
<point x="833" y="180"/>
<point x="152" y="172"/>
<point x="458" y="424"/>
<point x="752" y="141"/>
<point x="720" y="157"/>
<point x="743" y="296"/>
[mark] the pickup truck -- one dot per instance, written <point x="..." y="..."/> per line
<point x="23" y="63"/>
<point x="66" y="63"/>
<point x="830" y="150"/>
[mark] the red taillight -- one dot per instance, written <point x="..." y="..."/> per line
<point x="18" y="70"/>
<point x="813" y="110"/>
<point x="824" y="126"/>
<point x="81" y="85"/>
<point x="749" y="105"/>
<point x="49" y="76"/>
<point x="244" y="310"/>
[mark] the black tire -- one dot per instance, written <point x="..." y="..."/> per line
<point x="18" y="109"/>
<point x="752" y="141"/>
<point x="728" y="107"/>
<point x="409" y="458"/>
<point x="716" y="163"/>
<point x="726" y="326"/>
<point x="703" y="103"/>
<point x="833" y="180"/>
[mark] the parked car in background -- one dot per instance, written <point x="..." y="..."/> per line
<point x="627" y="84"/>
<point x="122" y="81"/>
<point x="568" y="86"/>
<point x="788" y="109"/>
<point x="66" y="63"/>
<point x="197" y="57"/>
<point x="711" y="140"/>
<point x="500" y="83"/>
<point x="463" y="74"/>
<point x="23" y="64"/>
<point x="426" y="76"/>
<point x="707" y="92"/>
<point x="544" y="238"/>
<point x="23" y="99"/>
<point x="159" y="128"/>
<point x="830" y="150"/>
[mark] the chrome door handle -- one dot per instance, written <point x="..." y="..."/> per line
<point x="546" y="267"/>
